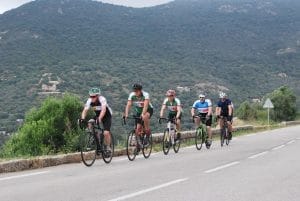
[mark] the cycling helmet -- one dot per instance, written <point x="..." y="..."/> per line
<point x="201" y="96"/>
<point x="137" y="86"/>
<point x="170" y="92"/>
<point x="222" y="95"/>
<point x="94" y="91"/>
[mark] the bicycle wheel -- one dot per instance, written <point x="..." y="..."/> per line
<point x="226" y="136"/>
<point x="222" y="136"/>
<point x="147" y="149"/>
<point x="108" y="154"/>
<point x="166" y="142"/>
<point x="88" y="148"/>
<point x="199" y="138"/>
<point x="131" y="145"/>
<point x="176" y="144"/>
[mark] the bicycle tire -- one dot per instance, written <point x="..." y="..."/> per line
<point x="147" y="150"/>
<point x="88" y="148"/>
<point x="176" y="145"/>
<point x="199" y="138"/>
<point x="131" y="145"/>
<point x="227" y="136"/>
<point x="166" y="142"/>
<point x="222" y="136"/>
<point x="107" y="158"/>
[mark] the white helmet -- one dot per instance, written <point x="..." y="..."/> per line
<point x="201" y="96"/>
<point x="222" y="95"/>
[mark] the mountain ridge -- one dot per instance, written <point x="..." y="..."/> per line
<point x="247" y="47"/>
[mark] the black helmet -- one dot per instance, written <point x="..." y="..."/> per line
<point x="137" y="86"/>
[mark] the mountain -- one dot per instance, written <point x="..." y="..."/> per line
<point x="243" y="47"/>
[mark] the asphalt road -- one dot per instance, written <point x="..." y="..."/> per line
<point x="257" y="167"/>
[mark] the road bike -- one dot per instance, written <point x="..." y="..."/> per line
<point x="224" y="135"/>
<point x="201" y="135"/>
<point x="170" y="137"/>
<point x="92" y="143"/>
<point x="137" y="142"/>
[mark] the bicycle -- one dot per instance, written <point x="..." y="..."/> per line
<point x="169" y="139"/>
<point x="224" y="131"/>
<point x="135" y="142"/>
<point x="201" y="135"/>
<point x="92" y="143"/>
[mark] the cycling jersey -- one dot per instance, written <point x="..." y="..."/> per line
<point x="202" y="107"/>
<point x="172" y="106"/>
<point x="138" y="102"/>
<point x="97" y="106"/>
<point x="224" y="107"/>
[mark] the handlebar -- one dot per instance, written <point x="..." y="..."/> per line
<point x="124" y="122"/>
<point x="173" y="120"/>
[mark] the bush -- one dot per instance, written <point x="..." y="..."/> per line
<point x="247" y="111"/>
<point x="284" y="101"/>
<point x="50" y="129"/>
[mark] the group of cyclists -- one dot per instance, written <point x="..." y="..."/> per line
<point x="140" y="101"/>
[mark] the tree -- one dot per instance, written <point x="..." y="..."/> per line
<point x="284" y="101"/>
<point x="51" y="128"/>
<point x="246" y="111"/>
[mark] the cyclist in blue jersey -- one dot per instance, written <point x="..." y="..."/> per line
<point x="225" y="109"/>
<point x="203" y="108"/>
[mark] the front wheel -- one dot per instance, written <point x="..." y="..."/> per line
<point x="108" y="151"/>
<point x="166" y="142"/>
<point x="222" y="136"/>
<point x="131" y="145"/>
<point x="88" y="147"/>
<point x="199" y="138"/>
<point x="147" y="149"/>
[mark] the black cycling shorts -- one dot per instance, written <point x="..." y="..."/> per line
<point x="106" y="121"/>
<point x="208" y="121"/>
<point x="139" y="121"/>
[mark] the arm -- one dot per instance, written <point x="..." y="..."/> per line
<point x="84" y="113"/>
<point x="229" y="110"/>
<point x="102" y="113"/>
<point x="163" y="108"/>
<point x="193" y="112"/>
<point x="146" y="105"/>
<point x="209" y="111"/>
<point x="218" y="110"/>
<point x="128" y="106"/>
<point x="178" y="111"/>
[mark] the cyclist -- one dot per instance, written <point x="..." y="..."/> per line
<point x="172" y="103"/>
<point x="225" y="109"/>
<point x="143" y="108"/>
<point x="103" y="114"/>
<point x="203" y="108"/>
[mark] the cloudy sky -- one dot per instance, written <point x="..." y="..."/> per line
<point x="6" y="5"/>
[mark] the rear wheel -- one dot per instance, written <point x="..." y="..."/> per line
<point x="131" y="145"/>
<point x="166" y="142"/>
<point x="199" y="138"/>
<point x="107" y="154"/>
<point x="88" y="148"/>
<point x="147" y="149"/>
<point x="176" y="145"/>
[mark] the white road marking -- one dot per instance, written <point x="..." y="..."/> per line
<point x="249" y="135"/>
<point x="222" y="167"/>
<point x="290" y="142"/>
<point x="257" y="155"/>
<point x="23" y="175"/>
<point x="149" y="189"/>
<point x="278" y="147"/>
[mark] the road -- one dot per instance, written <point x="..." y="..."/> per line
<point x="256" y="167"/>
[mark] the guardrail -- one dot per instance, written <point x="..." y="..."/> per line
<point x="47" y="161"/>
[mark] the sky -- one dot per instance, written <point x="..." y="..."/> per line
<point x="6" y="5"/>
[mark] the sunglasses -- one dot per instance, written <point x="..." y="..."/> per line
<point x="93" y="96"/>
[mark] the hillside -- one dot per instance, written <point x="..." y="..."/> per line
<point x="243" y="47"/>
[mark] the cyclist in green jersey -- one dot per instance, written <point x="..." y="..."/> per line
<point x="172" y="103"/>
<point x="143" y="108"/>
